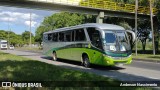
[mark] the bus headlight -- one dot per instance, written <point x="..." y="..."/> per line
<point x="108" y="62"/>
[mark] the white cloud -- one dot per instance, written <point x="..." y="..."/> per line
<point x="18" y="15"/>
<point x="19" y="18"/>
<point x="33" y="23"/>
<point x="27" y="16"/>
<point x="8" y="19"/>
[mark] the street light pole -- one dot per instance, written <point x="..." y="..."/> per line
<point x="151" y="16"/>
<point x="8" y="30"/>
<point x="136" y="8"/>
<point x="30" y="41"/>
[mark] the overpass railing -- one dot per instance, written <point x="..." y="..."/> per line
<point x="109" y="5"/>
<point x="103" y="4"/>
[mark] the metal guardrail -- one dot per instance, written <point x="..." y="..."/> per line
<point x="109" y="5"/>
<point x="103" y="4"/>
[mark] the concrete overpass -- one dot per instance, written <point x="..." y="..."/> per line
<point x="101" y="8"/>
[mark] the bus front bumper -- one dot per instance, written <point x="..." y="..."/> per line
<point x="108" y="60"/>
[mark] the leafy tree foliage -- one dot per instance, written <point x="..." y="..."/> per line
<point x="157" y="5"/>
<point x="3" y="34"/>
<point x="143" y="32"/>
<point x="26" y="37"/>
<point x="125" y="25"/>
<point x="15" y="39"/>
<point x="60" y="20"/>
<point x="143" y="35"/>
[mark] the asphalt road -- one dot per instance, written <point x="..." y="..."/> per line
<point x="146" y="65"/>
<point x="137" y="71"/>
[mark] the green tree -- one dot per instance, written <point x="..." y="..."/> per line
<point x="157" y="5"/>
<point x="3" y="34"/>
<point x="125" y="25"/>
<point x="60" y="20"/>
<point x="16" y="40"/>
<point x="39" y="33"/>
<point x="26" y="37"/>
<point x="13" y="39"/>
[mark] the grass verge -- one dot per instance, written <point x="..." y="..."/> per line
<point x="149" y="57"/>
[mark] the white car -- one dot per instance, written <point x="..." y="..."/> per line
<point x="11" y="47"/>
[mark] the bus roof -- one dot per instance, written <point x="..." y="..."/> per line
<point x="96" y="25"/>
<point x="3" y="40"/>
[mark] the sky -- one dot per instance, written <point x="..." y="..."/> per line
<point x="18" y="19"/>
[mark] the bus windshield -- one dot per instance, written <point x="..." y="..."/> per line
<point x="3" y="42"/>
<point x="116" y="41"/>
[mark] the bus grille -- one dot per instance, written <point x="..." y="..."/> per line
<point x="120" y="58"/>
<point x="3" y="45"/>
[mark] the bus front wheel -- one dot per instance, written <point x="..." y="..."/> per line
<point x="54" y="56"/>
<point x="86" y="62"/>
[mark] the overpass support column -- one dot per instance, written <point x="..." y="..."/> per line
<point x="100" y="17"/>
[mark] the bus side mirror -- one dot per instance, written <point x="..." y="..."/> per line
<point x="132" y="37"/>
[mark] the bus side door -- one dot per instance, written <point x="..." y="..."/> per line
<point x="96" y="43"/>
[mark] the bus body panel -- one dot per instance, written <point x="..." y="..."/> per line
<point x="95" y="57"/>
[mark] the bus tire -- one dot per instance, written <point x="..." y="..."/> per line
<point x="54" y="56"/>
<point x="86" y="62"/>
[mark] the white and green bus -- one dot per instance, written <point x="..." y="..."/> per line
<point x="92" y="43"/>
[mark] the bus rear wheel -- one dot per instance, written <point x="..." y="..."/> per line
<point x="86" y="62"/>
<point x="54" y="56"/>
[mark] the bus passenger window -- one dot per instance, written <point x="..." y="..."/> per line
<point x="68" y="36"/>
<point x="73" y="35"/>
<point x="49" y="37"/>
<point x="61" y="36"/>
<point x="80" y="35"/>
<point x="45" y="37"/>
<point x="55" y="37"/>
<point x="95" y="37"/>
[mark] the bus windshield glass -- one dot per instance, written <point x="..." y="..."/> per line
<point x="116" y="41"/>
<point x="3" y="42"/>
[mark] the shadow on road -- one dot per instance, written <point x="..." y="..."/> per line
<point x="111" y="72"/>
<point x="98" y="67"/>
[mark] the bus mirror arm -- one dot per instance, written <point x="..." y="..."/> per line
<point x="131" y="36"/>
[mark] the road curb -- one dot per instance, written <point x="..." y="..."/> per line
<point x="154" y="61"/>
